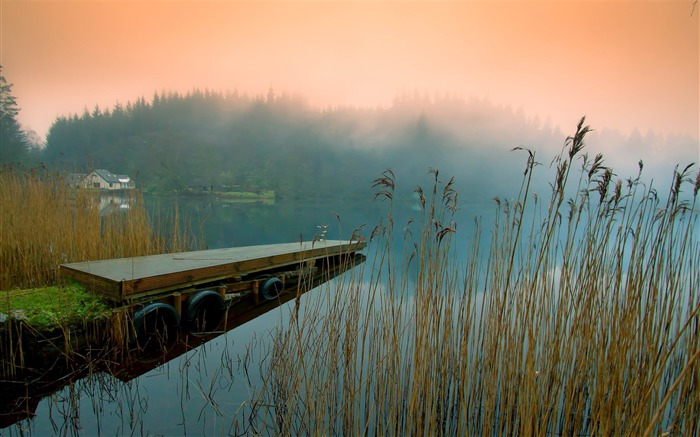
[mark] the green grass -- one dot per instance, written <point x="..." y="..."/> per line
<point x="268" y="194"/>
<point x="264" y="194"/>
<point x="54" y="307"/>
<point x="265" y="197"/>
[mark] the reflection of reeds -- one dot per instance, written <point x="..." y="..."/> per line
<point x="580" y="318"/>
<point x="45" y="223"/>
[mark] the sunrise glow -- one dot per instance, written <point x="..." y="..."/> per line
<point x="626" y="65"/>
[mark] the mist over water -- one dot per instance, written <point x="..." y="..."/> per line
<point x="207" y="140"/>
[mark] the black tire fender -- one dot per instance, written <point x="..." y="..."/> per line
<point x="154" y="314"/>
<point x="207" y="304"/>
<point x="272" y="288"/>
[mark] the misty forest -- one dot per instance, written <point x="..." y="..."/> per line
<point x="565" y="303"/>
<point x="209" y="140"/>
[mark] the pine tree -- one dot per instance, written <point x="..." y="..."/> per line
<point x="13" y="142"/>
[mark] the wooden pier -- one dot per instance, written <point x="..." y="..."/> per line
<point x="47" y="367"/>
<point x="127" y="279"/>
<point x="195" y="289"/>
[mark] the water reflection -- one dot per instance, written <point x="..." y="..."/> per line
<point x="100" y="389"/>
<point x="207" y="384"/>
<point x="110" y="203"/>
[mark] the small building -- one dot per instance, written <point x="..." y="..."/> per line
<point x="101" y="179"/>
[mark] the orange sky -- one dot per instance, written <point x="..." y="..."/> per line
<point x="623" y="64"/>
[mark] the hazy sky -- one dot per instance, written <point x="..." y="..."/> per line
<point x="623" y="64"/>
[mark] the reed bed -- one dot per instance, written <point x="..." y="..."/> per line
<point x="578" y="316"/>
<point x="44" y="223"/>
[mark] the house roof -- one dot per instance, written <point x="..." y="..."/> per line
<point x="111" y="177"/>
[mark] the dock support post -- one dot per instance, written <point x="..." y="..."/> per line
<point x="117" y="321"/>
<point x="256" y="290"/>
<point x="177" y="303"/>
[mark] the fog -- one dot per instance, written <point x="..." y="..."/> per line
<point x="278" y="142"/>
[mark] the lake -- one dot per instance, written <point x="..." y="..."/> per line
<point x="210" y="389"/>
<point x="214" y="388"/>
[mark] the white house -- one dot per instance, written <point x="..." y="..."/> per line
<point x="105" y="180"/>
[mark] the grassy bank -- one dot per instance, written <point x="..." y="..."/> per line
<point x="242" y="195"/>
<point x="265" y="194"/>
<point x="49" y="308"/>
<point x="578" y="316"/>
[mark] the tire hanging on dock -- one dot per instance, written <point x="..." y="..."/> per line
<point x="204" y="312"/>
<point x="155" y="324"/>
<point x="271" y="288"/>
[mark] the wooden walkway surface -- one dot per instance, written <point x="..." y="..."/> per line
<point x="128" y="278"/>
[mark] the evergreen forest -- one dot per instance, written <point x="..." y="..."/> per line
<point x="213" y="141"/>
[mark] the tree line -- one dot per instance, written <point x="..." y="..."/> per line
<point x="206" y="139"/>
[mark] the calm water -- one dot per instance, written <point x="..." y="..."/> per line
<point x="211" y="389"/>
<point x="208" y="390"/>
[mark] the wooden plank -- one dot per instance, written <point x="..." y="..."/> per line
<point x="95" y="284"/>
<point x="139" y="276"/>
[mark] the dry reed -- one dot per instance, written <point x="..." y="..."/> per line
<point x="581" y="318"/>
<point x="44" y="223"/>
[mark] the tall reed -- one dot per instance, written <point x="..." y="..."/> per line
<point x="579" y="317"/>
<point x="43" y="223"/>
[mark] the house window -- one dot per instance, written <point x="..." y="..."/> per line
<point x="110" y="185"/>
<point x="96" y="185"/>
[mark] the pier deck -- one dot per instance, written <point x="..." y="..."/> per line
<point x="126" y="279"/>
